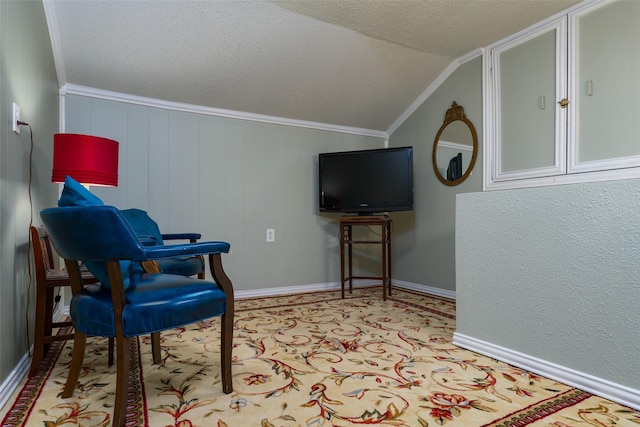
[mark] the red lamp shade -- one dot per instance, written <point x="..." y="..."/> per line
<point x="90" y="160"/>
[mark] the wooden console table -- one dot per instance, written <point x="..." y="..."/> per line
<point x="347" y="241"/>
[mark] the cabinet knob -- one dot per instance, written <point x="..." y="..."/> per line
<point x="563" y="103"/>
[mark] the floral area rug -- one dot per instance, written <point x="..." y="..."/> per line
<point x="314" y="360"/>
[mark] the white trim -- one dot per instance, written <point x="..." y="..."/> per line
<point x="432" y="88"/>
<point x="286" y="290"/>
<point x="334" y="286"/>
<point x="573" y="146"/>
<point x="493" y="130"/>
<point x="318" y="287"/>
<point x="600" y="170"/>
<point x="545" y="22"/>
<point x="597" y="386"/>
<point x="439" y="292"/>
<point x="210" y="111"/>
<point x="61" y="312"/>
<point x="9" y="386"/>
<point x="330" y="286"/>
<point x="605" y="164"/>
<point x="488" y="113"/>
<point x="608" y="175"/>
<point x="13" y="381"/>
<point x="455" y="145"/>
<point x="62" y="115"/>
<point x="56" y="45"/>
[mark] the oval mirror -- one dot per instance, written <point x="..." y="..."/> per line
<point x="455" y="148"/>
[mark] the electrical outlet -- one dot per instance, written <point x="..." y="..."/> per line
<point x="16" y="118"/>
<point x="271" y="235"/>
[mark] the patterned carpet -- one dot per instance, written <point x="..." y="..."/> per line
<point x="315" y="360"/>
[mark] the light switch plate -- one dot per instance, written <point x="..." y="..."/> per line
<point x="271" y="235"/>
<point x="16" y="118"/>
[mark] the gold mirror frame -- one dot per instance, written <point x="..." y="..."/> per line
<point x="455" y="113"/>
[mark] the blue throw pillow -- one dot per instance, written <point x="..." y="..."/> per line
<point x="75" y="194"/>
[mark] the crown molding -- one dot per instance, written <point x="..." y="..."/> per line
<point x="54" y="35"/>
<point x="71" y="89"/>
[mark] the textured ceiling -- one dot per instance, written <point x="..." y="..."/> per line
<point x="354" y="63"/>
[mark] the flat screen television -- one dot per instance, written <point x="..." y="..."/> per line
<point x="366" y="182"/>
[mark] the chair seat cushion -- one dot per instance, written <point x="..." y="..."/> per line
<point x="183" y="266"/>
<point x="155" y="302"/>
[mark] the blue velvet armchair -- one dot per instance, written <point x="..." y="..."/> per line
<point x="131" y="302"/>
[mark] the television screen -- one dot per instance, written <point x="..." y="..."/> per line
<point x="454" y="171"/>
<point x="366" y="181"/>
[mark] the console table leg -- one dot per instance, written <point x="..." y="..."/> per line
<point x="342" y="240"/>
<point x="384" y="263"/>
<point x="346" y="238"/>
<point x="388" y="260"/>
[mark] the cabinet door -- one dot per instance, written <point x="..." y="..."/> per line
<point x="606" y="88"/>
<point x="531" y="127"/>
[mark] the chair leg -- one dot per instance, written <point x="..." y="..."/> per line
<point x="226" y="352"/>
<point x="48" y="317"/>
<point x="43" y="326"/>
<point x="202" y="275"/>
<point x="155" y="348"/>
<point x="221" y="278"/>
<point x="122" y="381"/>
<point x="111" y="345"/>
<point x="38" y="338"/>
<point x="79" y="342"/>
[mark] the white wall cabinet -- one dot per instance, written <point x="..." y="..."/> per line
<point x="562" y="100"/>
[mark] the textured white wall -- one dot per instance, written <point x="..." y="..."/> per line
<point x="554" y="272"/>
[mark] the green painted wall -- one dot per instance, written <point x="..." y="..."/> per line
<point x="27" y="77"/>
<point x="231" y="179"/>
<point x="552" y="272"/>
<point x="423" y="240"/>
<point x="228" y="179"/>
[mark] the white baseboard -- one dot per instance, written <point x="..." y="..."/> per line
<point x="334" y="286"/>
<point x="14" y="379"/>
<point x="330" y="286"/>
<point x="439" y="292"/>
<point x="284" y="290"/>
<point x="589" y="383"/>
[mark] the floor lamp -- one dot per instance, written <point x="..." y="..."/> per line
<point x="90" y="160"/>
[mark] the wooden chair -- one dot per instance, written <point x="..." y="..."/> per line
<point x="47" y="279"/>
<point x="126" y="307"/>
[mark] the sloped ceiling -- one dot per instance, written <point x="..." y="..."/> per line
<point x="352" y="63"/>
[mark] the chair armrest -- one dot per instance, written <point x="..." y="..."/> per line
<point x="199" y="248"/>
<point x="181" y="236"/>
<point x="147" y="240"/>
